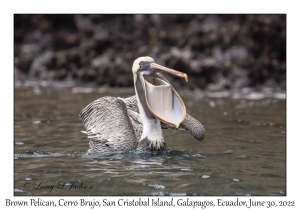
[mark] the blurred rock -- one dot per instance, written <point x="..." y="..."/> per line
<point x="216" y="51"/>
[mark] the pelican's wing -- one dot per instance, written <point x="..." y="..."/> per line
<point x="108" y="126"/>
<point x="131" y="103"/>
<point x="190" y="124"/>
<point x="134" y="116"/>
<point x="136" y="122"/>
<point x="194" y="127"/>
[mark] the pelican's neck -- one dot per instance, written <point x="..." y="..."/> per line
<point x="151" y="127"/>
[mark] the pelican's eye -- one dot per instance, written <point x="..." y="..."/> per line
<point x="142" y="63"/>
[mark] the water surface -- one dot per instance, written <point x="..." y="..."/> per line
<point x="243" y="153"/>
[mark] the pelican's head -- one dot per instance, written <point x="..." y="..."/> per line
<point x="136" y="64"/>
<point x="148" y="66"/>
<point x="155" y="93"/>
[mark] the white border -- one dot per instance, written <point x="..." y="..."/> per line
<point x="150" y="6"/>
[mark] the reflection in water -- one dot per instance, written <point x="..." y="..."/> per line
<point x="243" y="152"/>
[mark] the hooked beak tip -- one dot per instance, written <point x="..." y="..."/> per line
<point x="185" y="76"/>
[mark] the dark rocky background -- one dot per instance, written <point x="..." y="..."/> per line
<point x="216" y="51"/>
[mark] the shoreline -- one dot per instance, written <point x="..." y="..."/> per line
<point x="241" y="93"/>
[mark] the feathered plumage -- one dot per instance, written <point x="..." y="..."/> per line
<point x="113" y="125"/>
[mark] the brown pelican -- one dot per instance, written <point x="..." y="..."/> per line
<point x="116" y="125"/>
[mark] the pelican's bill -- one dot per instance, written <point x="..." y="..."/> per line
<point x="162" y="99"/>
